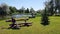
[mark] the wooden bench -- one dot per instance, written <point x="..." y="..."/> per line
<point x="25" y="24"/>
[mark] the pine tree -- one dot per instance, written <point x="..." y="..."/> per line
<point x="45" y="18"/>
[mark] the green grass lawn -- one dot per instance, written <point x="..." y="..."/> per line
<point x="36" y="28"/>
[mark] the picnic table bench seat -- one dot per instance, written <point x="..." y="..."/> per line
<point x="23" y="24"/>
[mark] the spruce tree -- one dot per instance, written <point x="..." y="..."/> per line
<point x="45" y="18"/>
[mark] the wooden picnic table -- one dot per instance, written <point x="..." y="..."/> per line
<point x="21" y="24"/>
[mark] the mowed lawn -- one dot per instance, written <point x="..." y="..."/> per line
<point x="36" y="28"/>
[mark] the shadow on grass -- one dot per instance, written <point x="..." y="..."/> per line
<point x="13" y="28"/>
<point x="45" y="24"/>
<point x="10" y="28"/>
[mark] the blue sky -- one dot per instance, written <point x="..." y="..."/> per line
<point x="36" y="4"/>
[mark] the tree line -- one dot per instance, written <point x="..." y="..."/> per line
<point x="6" y="10"/>
<point x="53" y="7"/>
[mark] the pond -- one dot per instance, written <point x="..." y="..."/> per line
<point x="21" y="15"/>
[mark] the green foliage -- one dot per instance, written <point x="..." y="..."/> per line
<point x="27" y="10"/>
<point x="50" y="7"/>
<point x="57" y="7"/>
<point x="12" y="10"/>
<point x="4" y="10"/>
<point x="22" y="10"/>
<point x="32" y="10"/>
<point x="53" y="6"/>
<point x="38" y="14"/>
<point x="2" y="13"/>
<point x="45" y="18"/>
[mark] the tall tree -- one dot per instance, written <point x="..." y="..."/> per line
<point x="27" y="10"/>
<point x="22" y="10"/>
<point x="50" y="7"/>
<point x="2" y="13"/>
<point x="12" y="10"/>
<point x="45" y="20"/>
<point x="5" y="8"/>
<point x="57" y="5"/>
<point x="32" y="11"/>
